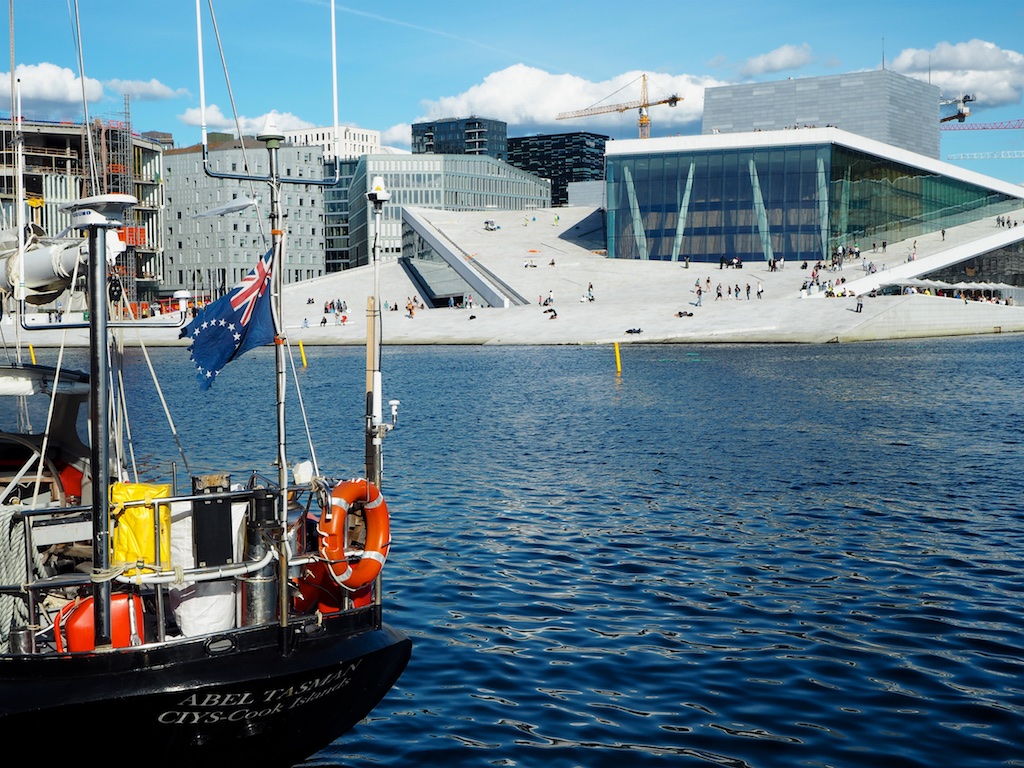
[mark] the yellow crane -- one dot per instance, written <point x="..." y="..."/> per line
<point x="644" y="122"/>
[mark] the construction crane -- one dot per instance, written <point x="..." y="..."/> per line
<point x="644" y="122"/>
<point x="1006" y="154"/>
<point x="962" y="110"/>
<point x="1005" y="124"/>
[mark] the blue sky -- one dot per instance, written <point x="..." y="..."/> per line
<point x="522" y="62"/>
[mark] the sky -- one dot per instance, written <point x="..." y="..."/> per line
<point x="523" y="62"/>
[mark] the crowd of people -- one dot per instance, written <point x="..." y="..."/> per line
<point x="335" y="308"/>
<point x="722" y="293"/>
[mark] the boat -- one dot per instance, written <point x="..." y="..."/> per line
<point x="235" y="619"/>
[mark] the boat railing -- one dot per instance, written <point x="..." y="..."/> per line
<point x="157" y="321"/>
<point x="65" y="524"/>
<point x="251" y="560"/>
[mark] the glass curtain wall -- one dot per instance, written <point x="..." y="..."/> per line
<point x="755" y="204"/>
<point x="878" y="199"/>
<point x="438" y="281"/>
<point x="793" y="202"/>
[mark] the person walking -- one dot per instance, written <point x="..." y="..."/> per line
<point x="698" y="294"/>
<point x="760" y="290"/>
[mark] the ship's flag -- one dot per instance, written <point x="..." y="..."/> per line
<point x="233" y="324"/>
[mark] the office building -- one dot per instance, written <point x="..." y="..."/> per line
<point x="562" y="158"/>
<point x="351" y="142"/>
<point x="461" y="136"/>
<point x="448" y="182"/>
<point x="209" y="254"/>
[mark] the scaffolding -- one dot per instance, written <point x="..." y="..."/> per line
<point x="112" y="149"/>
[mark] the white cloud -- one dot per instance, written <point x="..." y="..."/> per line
<point x="397" y="136"/>
<point x="142" y="90"/>
<point x="218" y="121"/>
<point x="786" y="57"/>
<point x="530" y="99"/>
<point x="50" y="92"/>
<point x="995" y="76"/>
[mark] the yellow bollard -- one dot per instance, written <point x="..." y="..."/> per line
<point x="32" y="353"/>
<point x="618" y="360"/>
<point x="302" y="351"/>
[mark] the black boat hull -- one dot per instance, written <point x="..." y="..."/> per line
<point x="265" y="695"/>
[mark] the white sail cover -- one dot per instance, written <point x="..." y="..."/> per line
<point x="48" y="264"/>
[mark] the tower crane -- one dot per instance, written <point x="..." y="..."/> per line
<point x="644" y="121"/>
<point x="962" y="110"/>
<point x="1005" y="124"/>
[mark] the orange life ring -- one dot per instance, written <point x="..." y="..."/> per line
<point x="367" y="563"/>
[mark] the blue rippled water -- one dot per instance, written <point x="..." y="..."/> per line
<point x="728" y="555"/>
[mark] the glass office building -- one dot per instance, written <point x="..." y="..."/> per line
<point x="461" y="136"/>
<point x="448" y="182"/>
<point x="792" y="194"/>
<point x="561" y="157"/>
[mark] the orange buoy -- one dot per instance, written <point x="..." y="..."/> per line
<point x="76" y="621"/>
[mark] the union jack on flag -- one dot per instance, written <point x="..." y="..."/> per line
<point x="253" y="285"/>
<point x="233" y="324"/>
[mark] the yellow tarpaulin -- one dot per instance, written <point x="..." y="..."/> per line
<point x="133" y="536"/>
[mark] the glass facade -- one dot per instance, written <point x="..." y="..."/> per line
<point x="439" y="281"/>
<point x="336" y="216"/>
<point x="461" y="136"/>
<point x="1003" y="265"/>
<point x="562" y="158"/>
<point x="796" y="202"/>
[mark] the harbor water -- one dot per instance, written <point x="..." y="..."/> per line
<point x="722" y="556"/>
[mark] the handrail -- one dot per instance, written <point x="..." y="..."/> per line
<point x="152" y="323"/>
<point x="158" y="575"/>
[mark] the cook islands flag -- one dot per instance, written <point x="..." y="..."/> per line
<point x="233" y="324"/>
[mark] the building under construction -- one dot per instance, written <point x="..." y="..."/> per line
<point x="64" y="161"/>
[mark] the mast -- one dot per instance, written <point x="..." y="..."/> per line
<point x="97" y="215"/>
<point x="273" y="139"/>
<point x="19" y="200"/>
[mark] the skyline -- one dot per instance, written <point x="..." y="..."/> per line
<point x="523" y="63"/>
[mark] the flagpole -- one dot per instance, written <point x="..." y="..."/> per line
<point x="375" y="428"/>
